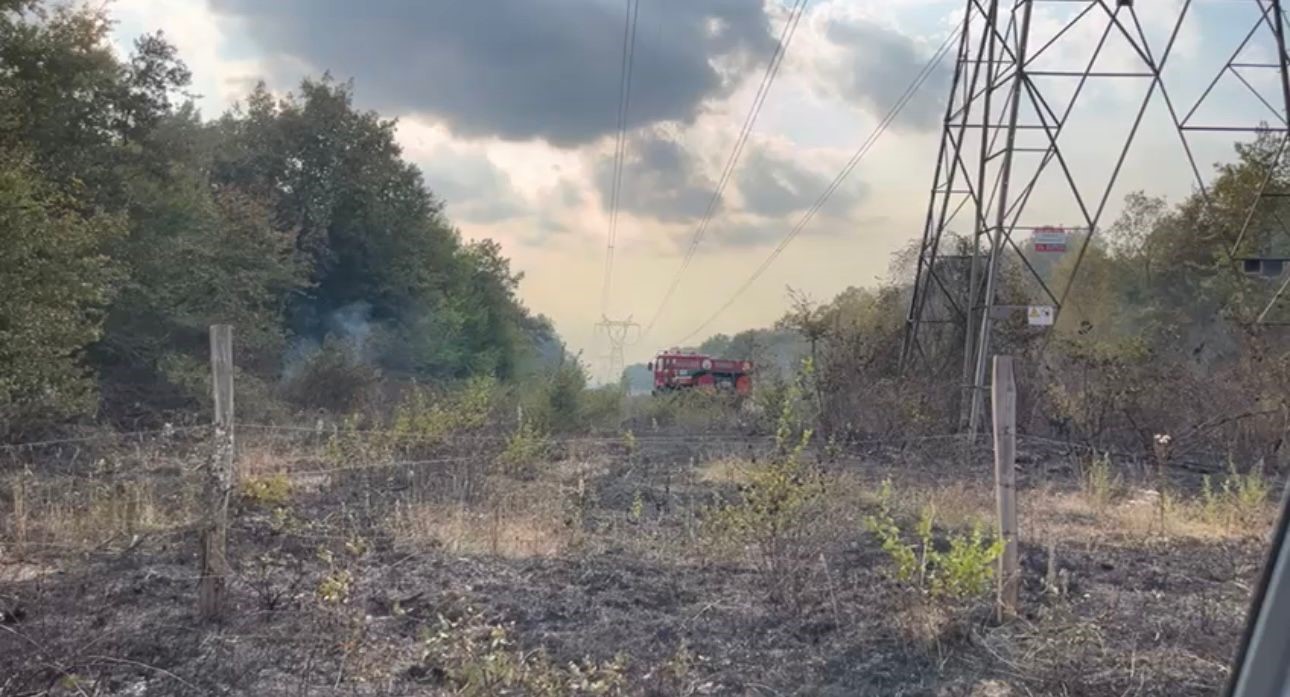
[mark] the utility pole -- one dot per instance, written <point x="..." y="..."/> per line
<point x="1004" y="172"/>
<point x="620" y="334"/>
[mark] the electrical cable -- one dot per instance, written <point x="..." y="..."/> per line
<point x="772" y="69"/>
<point x="620" y="149"/>
<point x="851" y="164"/>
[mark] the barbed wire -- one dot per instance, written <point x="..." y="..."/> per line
<point x="622" y="438"/>
<point x="114" y="435"/>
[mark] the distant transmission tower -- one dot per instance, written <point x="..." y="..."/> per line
<point x="1007" y="168"/>
<point x="620" y="334"/>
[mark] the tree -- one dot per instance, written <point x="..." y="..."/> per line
<point x="368" y="231"/>
<point x="54" y="284"/>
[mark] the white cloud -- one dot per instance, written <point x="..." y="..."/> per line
<point x="218" y="79"/>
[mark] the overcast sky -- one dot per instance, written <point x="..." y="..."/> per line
<point x="510" y="109"/>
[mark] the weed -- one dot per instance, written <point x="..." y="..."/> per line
<point x="638" y="508"/>
<point x="525" y="448"/>
<point x="676" y="675"/>
<point x="477" y="658"/>
<point x="1239" y="498"/>
<point x="1099" y="481"/>
<point x="630" y="444"/>
<point x="334" y="588"/>
<point x="269" y="491"/>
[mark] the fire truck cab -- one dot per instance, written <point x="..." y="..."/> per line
<point x="674" y="370"/>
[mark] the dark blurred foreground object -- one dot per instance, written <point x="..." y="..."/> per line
<point x="1262" y="665"/>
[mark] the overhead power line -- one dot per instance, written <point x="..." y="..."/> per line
<point x="851" y="164"/>
<point x="772" y="69"/>
<point x="620" y="149"/>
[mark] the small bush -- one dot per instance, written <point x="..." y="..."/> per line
<point x="334" y="378"/>
<point x="603" y="407"/>
<point x="270" y="491"/>
<point x="353" y="443"/>
<point x="525" y="448"/>
<point x="421" y="420"/>
<point x="962" y="572"/>
<point x="334" y="588"/>
<point x="771" y="513"/>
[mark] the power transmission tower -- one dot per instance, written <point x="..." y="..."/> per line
<point x="620" y="334"/>
<point x="1005" y="169"/>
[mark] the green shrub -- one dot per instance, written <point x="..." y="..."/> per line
<point x="771" y="515"/>
<point x="422" y="420"/>
<point x="962" y="572"/>
<point x="564" y="397"/>
<point x="270" y="491"/>
<point x="525" y="449"/>
<point x="354" y="441"/>
<point x="603" y="407"/>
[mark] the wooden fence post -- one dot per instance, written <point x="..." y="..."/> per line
<point x="1003" y="392"/>
<point x="212" y="586"/>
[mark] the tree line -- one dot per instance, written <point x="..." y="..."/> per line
<point x="129" y="223"/>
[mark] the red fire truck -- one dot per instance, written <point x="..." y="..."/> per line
<point x="675" y="370"/>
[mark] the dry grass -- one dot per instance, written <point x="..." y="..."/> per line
<point x="725" y="470"/>
<point x="81" y="514"/>
<point x="524" y="522"/>
<point x="1076" y="518"/>
<point x="958" y="505"/>
<point x="263" y="461"/>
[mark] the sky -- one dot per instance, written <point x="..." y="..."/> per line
<point x="510" y="108"/>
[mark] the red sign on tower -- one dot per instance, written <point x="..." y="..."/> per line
<point x="1050" y="239"/>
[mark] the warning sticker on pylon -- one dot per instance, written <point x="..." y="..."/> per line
<point x="1040" y="315"/>
<point x="1050" y="239"/>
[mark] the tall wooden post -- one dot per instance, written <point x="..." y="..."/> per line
<point x="1003" y="394"/>
<point x="212" y="586"/>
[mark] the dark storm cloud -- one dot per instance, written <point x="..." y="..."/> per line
<point x="516" y="69"/>
<point x="880" y="63"/>
<point x="474" y="189"/>
<point x="776" y="191"/>
<point x="773" y="186"/>
<point x="661" y="180"/>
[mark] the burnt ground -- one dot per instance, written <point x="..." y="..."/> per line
<point x="609" y="558"/>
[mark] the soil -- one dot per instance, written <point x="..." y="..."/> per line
<point x="1136" y="614"/>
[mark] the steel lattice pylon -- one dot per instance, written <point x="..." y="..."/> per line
<point x="1014" y="90"/>
<point x="620" y="334"/>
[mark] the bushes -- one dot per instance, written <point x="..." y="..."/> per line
<point x="334" y="378"/>
<point x="423" y="420"/>
<point x="694" y="409"/>
<point x="524" y="450"/>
